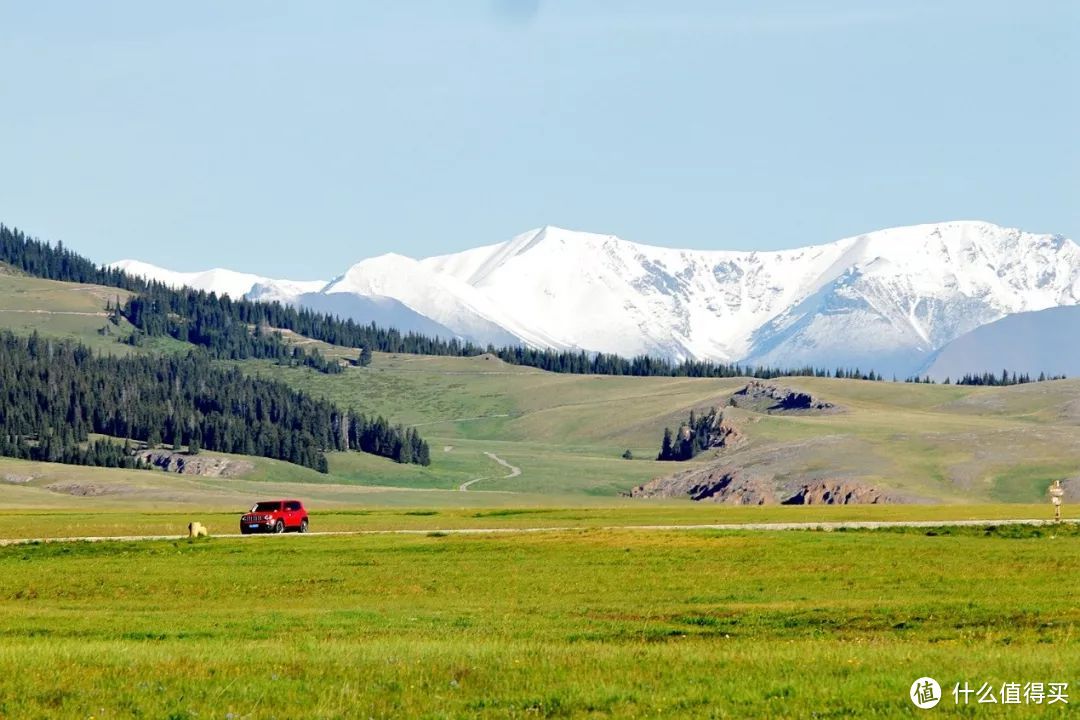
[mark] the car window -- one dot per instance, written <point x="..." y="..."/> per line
<point x="292" y="506"/>
<point x="266" y="507"/>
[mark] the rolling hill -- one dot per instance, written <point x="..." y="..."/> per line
<point x="566" y="433"/>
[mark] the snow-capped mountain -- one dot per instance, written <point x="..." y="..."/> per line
<point x="905" y="292"/>
<point x="437" y="296"/>
<point x="221" y="281"/>
<point x="885" y="300"/>
<point x="364" y="307"/>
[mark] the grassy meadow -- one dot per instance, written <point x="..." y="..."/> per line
<point x="567" y="433"/>
<point x="591" y="623"/>
<point x="591" y="618"/>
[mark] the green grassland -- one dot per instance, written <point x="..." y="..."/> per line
<point x="595" y="623"/>
<point x="567" y="433"/>
<point x="349" y="509"/>
<point x="62" y="310"/>
<point x="594" y="617"/>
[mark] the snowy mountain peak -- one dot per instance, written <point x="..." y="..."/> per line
<point x="884" y="300"/>
<point x="220" y="281"/>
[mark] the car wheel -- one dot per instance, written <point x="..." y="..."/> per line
<point x="303" y="525"/>
<point x="279" y="526"/>
<point x="245" y="531"/>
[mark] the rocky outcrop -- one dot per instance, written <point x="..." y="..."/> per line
<point x="834" y="470"/>
<point x="725" y="434"/>
<point x="724" y="485"/>
<point x="838" y="492"/>
<point x="206" y="466"/>
<point x="720" y="432"/>
<point x="732" y="486"/>
<point x="770" y="398"/>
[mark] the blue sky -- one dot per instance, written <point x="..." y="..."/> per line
<point x="293" y="139"/>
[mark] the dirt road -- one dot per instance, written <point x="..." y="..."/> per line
<point x="756" y="527"/>
<point x="514" y="472"/>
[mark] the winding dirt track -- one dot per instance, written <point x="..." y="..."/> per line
<point x="514" y="472"/>
<point x="756" y="527"/>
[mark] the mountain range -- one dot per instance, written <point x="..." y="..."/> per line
<point x="893" y="300"/>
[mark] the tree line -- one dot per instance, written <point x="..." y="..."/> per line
<point x="203" y="319"/>
<point x="198" y="318"/>
<point x="989" y="379"/>
<point x="56" y="393"/>
<point x="224" y="325"/>
<point x="236" y="328"/>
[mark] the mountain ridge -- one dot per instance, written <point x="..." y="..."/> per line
<point x="886" y="300"/>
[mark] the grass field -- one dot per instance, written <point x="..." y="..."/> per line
<point x="567" y="432"/>
<point x="576" y="624"/>
<point x="597" y="620"/>
<point x="338" y="512"/>
<point x="63" y="310"/>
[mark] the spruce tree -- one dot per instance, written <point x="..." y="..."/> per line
<point x="665" y="446"/>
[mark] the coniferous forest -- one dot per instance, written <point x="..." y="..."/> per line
<point x="238" y="329"/>
<point x="53" y="394"/>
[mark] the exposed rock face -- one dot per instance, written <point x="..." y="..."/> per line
<point x="831" y="470"/>
<point x="722" y="432"/>
<point x="770" y="398"/>
<point x="185" y="464"/>
<point x="731" y="486"/>
<point x="725" y="434"/>
<point x="719" y="485"/>
<point x="837" y="492"/>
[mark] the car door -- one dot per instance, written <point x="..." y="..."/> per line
<point x="292" y="513"/>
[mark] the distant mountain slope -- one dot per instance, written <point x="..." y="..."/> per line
<point x="442" y="298"/>
<point x="383" y="311"/>
<point x="220" y="281"/>
<point x="1035" y="342"/>
<point x="885" y="300"/>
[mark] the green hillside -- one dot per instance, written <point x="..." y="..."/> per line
<point x="60" y="309"/>
<point x="566" y="434"/>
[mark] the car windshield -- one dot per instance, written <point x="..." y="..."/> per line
<point x="266" y="507"/>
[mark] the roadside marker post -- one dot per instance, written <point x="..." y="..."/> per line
<point x="1056" y="494"/>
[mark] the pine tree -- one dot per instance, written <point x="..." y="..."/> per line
<point x="665" y="446"/>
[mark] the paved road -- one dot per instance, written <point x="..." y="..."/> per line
<point x="765" y="527"/>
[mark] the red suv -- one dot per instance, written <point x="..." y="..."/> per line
<point x="275" y="516"/>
